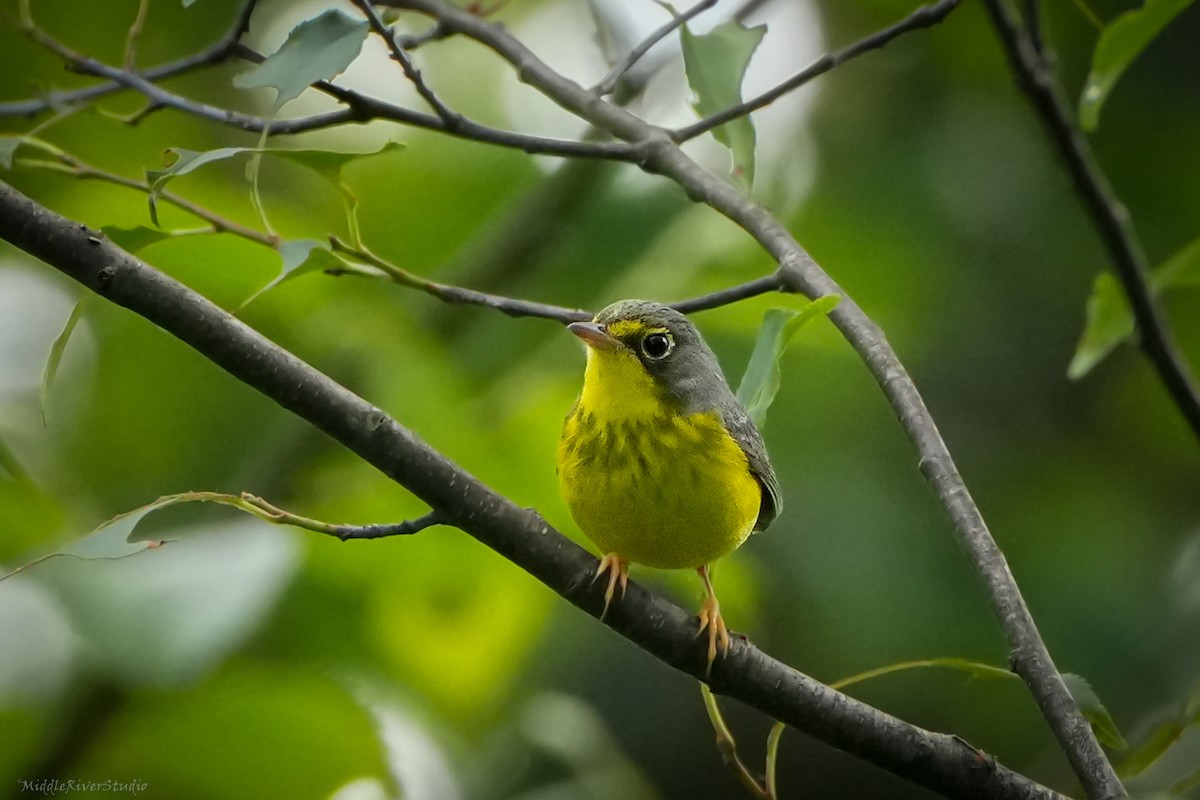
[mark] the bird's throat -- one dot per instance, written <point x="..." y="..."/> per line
<point x="616" y="387"/>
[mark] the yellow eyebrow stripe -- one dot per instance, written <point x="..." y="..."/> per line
<point x="631" y="327"/>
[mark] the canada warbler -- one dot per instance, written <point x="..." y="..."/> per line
<point x="659" y="462"/>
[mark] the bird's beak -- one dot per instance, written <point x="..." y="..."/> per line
<point x="594" y="335"/>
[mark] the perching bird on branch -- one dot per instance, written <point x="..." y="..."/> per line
<point x="659" y="462"/>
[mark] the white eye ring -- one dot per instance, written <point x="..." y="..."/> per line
<point x="658" y="345"/>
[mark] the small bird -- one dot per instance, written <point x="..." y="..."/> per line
<point x="659" y="463"/>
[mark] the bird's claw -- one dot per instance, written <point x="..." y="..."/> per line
<point x="711" y="620"/>
<point x="618" y="572"/>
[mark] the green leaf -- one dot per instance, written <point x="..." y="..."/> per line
<point x="112" y="540"/>
<point x="1181" y="270"/>
<point x="8" y="149"/>
<point x="299" y="257"/>
<point x="760" y="382"/>
<point x="1109" y="317"/>
<point x="56" y="354"/>
<point x="1122" y="41"/>
<point x="975" y="669"/>
<point x="1095" y="712"/>
<point x="180" y="161"/>
<point x="317" y="49"/>
<point x="1109" y="322"/>
<point x="716" y="63"/>
<point x="329" y="163"/>
<point x="1185" y="784"/>
<point x="136" y="238"/>
<point x="1149" y="751"/>
<point x="10" y="144"/>
<point x="167" y="619"/>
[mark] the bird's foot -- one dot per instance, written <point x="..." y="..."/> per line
<point x="712" y="621"/>
<point x="618" y="572"/>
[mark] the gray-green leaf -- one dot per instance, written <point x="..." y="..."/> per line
<point x="56" y="354"/>
<point x="1180" y="270"/>
<point x="112" y="540"/>
<point x="760" y="383"/>
<point x="180" y="162"/>
<point x="1089" y="703"/>
<point x="299" y="257"/>
<point x="1122" y="41"/>
<point x="1148" y="752"/>
<point x="8" y="149"/>
<point x="317" y="49"/>
<point x="10" y="144"/>
<point x="716" y="63"/>
<point x="1109" y="317"/>
<point x="136" y="238"/>
<point x="1109" y="322"/>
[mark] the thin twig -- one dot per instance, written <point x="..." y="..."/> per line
<point x="610" y="81"/>
<point x="724" y="297"/>
<point x="278" y="515"/>
<point x="214" y="54"/>
<point x="727" y="746"/>
<point x="457" y="294"/>
<point x="773" y="738"/>
<point x="135" y="32"/>
<point x="70" y="165"/>
<point x="405" y="528"/>
<point x="800" y="273"/>
<point x="1108" y="214"/>
<point x="511" y="306"/>
<point x="359" y="108"/>
<point x="449" y="119"/>
<point x="515" y="307"/>
<point x="923" y="17"/>
<point x="1032" y="10"/>
<point x="434" y="33"/>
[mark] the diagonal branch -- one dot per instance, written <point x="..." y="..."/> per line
<point x="359" y="108"/>
<point x="449" y="119"/>
<point x="511" y="306"/>
<point x="610" y="81"/>
<point x="923" y="17"/>
<point x="940" y="762"/>
<point x="214" y="54"/>
<point x="799" y="272"/>
<point x="1108" y="215"/>
<point x="274" y="513"/>
<point x="515" y="307"/>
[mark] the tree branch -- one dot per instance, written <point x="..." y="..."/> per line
<point x="799" y="272"/>
<point x="1107" y="213"/>
<point x="359" y="108"/>
<point x="449" y="119"/>
<point x="940" y="762"/>
<point x="610" y="81"/>
<point x="515" y="307"/>
<point x="923" y="17"/>
<point x="273" y="513"/>
<point x="214" y="54"/>
<point x="458" y="294"/>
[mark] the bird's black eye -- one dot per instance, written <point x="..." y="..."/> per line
<point x="657" y="345"/>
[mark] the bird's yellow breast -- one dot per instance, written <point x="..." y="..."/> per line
<point x="641" y="479"/>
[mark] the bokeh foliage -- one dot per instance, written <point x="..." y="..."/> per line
<point x="249" y="661"/>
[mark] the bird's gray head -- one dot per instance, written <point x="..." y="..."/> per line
<point x="667" y="344"/>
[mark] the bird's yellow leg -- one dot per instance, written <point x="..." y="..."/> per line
<point x="710" y="618"/>
<point x="618" y="572"/>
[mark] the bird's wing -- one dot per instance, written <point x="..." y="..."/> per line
<point x="739" y="424"/>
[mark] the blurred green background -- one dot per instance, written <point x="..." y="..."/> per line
<point x="248" y="661"/>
